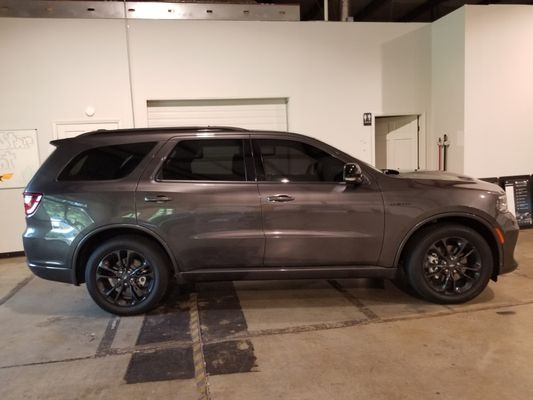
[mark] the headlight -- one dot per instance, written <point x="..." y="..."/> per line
<point x="501" y="203"/>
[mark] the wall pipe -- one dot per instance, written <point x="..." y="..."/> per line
<point x="345" y="10"/>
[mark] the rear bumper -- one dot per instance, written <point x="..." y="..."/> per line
<point x="52" y="273"/>
<point x="47" y="258"/>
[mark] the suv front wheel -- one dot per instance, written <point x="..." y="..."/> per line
<point x="127" y="275"/>
<point x="449" y="264"/>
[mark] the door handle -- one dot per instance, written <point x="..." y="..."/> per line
<point x="280" y="198"/>
<point x="156" y="199"/>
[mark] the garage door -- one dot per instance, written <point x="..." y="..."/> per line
<point x="267" y="114"/>
<point x="65" y="130"/>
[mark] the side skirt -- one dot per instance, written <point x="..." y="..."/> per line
<point x="235" y="274"/>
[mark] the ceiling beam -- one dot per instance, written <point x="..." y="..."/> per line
<point x="485" y="2"/>
<point x="367" y="10"/>
<point x="417" y="11"/>
<point x="430" y="4"/>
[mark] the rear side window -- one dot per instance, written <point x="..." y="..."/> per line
<point x="205" y="160"/>
<point x="106" y="163"/>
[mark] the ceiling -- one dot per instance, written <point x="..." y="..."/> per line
<point x="393" y="10"/>
<point x="366" y="10"/>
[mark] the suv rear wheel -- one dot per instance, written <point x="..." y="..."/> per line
<point x="449" y="264"/>
<point x="127" y="275"/>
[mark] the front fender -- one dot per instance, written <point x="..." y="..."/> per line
<point x="395" y="242"/>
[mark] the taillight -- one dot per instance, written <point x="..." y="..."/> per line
<point x="31" y="202"/>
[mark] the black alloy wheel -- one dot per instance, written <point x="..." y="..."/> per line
<point x="124" y="277"/>
<point x="452" y="266"/>
<point x="127" y="275"/>
<point x="449" y="264"/>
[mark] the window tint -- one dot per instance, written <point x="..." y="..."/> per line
<point x="206" y="160"/>
<point x="287" y="160"/>
<point x="106" y="163"/>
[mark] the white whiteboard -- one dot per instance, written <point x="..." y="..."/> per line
<point x="19" y="157"/>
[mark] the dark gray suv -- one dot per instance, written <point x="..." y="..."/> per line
<point x="126" y="211"/>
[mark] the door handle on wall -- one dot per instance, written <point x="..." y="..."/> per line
<point x="280" y="198"/>
<point x="156" y="199"/>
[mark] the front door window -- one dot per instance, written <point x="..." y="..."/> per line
<point x="292" y="161"/>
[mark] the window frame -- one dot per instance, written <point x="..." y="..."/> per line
<point x="250" y="173"/>
<point x="258" y="161"/>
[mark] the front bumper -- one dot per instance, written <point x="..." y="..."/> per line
<point x="510" y="230"/>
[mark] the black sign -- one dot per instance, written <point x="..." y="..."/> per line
<point x="518" y="189"/>
<point x="367" y="119"/>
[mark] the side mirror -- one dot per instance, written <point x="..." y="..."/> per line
<point x="352" y="173"/>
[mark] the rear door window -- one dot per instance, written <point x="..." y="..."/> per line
<point x="206" y="160"/>
<point x="106" y="163"/>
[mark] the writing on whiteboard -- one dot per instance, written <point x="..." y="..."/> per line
<point x="19" y="157"/>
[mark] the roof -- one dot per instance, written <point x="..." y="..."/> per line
<point x="173" y="130"/>
<point x="114" y="136"/>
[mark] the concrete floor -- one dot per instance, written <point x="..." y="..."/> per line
<point x="346" y="339"/>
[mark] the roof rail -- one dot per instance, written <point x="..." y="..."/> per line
<point x="167" y="129"/>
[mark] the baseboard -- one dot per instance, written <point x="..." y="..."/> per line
<point x="12" y="254"/>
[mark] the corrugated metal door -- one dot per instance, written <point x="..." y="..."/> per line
<point x="266" y="114"/>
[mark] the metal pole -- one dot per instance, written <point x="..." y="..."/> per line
<point x="439" y="146"/>
<point x="326" y="10"/>
<point x="445" y="144"/>
<point x="345" y="10"/>
<point x="128" y="54"/>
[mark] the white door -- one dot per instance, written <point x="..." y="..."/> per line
<point x="397" y="142"/>
<point x="64" y="130"/>
<point x="266" y="114"/>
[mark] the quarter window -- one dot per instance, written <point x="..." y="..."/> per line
<point x="206" y="160"/>
<point x="292" y="161"/>
<point x="106" y="163"/>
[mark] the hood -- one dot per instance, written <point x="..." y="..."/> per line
<point x="452" y="178"/>
<point x="449" y="176"/>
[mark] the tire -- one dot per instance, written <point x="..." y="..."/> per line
<point x="127" y="275"/>
<point x="448" y="264"/>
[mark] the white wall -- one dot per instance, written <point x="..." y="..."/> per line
<point x="51" y="70"/>
<point x="448" y="89"/>
<point x="406" y="82"/>
<point x="499" y="90"/>
<point x="331" y="72"/>
<point x="406" y="76"/>
<point x="482" y="89"/>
